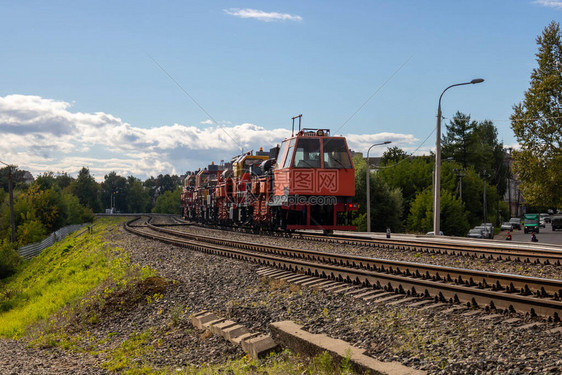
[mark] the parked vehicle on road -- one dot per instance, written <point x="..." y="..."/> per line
<point x="531" y="223"/>
<point x="485" y="231"/>
<point x="475" y="233"/>
<point x="545" y="217"/>
<point x="507" y="226"/>
<point x="556" y="222"/>
<point x="490" y="227"/>
<point x="516" y="222"/>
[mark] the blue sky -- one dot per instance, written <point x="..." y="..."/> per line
<point x="80" y="87"/>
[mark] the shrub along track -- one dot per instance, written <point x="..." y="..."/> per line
<point x="445" y="284"/>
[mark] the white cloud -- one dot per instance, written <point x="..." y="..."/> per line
<point x="549" y="3"/>
<point x="362" y="142"/>
<point x="261" y="15"/>
<point x="206" y="122"/>
<point x="43" y="135"/>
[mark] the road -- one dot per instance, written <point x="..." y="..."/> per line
<point x="546" y="235"/>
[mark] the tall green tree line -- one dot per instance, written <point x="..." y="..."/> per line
<point x="537" y="125"/>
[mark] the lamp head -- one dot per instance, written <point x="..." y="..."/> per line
<point x="477" y="80"/>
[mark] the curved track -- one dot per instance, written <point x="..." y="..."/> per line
<point x="509" y="252"/>
<point x="525" y="253"/>
<point x="446" y="284"/>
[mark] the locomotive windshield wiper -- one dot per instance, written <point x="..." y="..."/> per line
<point x="304" y="162"/>
<point x="340" y="163"/>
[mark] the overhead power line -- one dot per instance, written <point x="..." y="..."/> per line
<point x="195" y="101"/>
<point x="375" y="93"/>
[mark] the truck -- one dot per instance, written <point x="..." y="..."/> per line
<point x="531" y="223"/>
<point x="556" y="222"/>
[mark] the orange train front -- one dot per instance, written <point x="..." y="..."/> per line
<point x="314" y="182"/>
<point x="307" y="183"/>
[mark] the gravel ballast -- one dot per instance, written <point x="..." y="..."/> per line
<point x="428" y="340"/>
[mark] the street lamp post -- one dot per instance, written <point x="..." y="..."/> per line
<point x="437" y="184"/>
<point x="368" y="181"/>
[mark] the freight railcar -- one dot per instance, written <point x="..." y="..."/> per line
<point x="306" y="183"/>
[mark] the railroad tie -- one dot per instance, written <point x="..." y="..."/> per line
<point x="255" y="344"/>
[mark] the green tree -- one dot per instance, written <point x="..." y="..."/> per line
<point x="138" y="199"/>
<point x="410" y="176"/>
<point x="459" y="139"/>
<point x="63" y="180"/>
<point x="453" y="216"/>
<point x="22" y="208"/>
<point x="386" y="202"/>
<point x="150" y="186"/>
<point x="393" y="155"/>
<point x="475" y="144"/>
<point x="86" y="189"/>
<point x="9" y="259"/>
<point x="169" y="202"/>
<point x="46" y="206"/>
<point x="17" y="178"/>
<point x="73" y="211"/>
<point x="46" y="180"/>
<point x="114" y="192"/>
<point x="537" y="125"/>
<point x="31" y="230"/>
<point x="50" y="180"/>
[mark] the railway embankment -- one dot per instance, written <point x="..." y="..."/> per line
<point x="439" y="338"/>
<point x="135" y="317"/>
<point x="108" y="302"/>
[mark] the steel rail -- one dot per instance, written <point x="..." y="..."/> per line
<point x="440" y="290"/>
<point x="546" y="256"/>
<point x="484" y="279"/>
<point x="489" y="251"/>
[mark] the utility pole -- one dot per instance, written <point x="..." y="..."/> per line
<point x="509" y="181"/>
<point x="437" y="178"/>
<point x="484" y="199"/>
<point x="11" y="193"/>
<point x="12" y="216"/>
<point x="367" y="181"/>
<point x="460" y="186"/>
<point x="460" y="174"/>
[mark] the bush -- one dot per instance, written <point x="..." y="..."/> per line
<point x="9" y="259"/>
<point x="30" y="231"/>
<point x="169" y="202"/>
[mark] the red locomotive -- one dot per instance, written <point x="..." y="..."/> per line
<point x="307" y="183"/>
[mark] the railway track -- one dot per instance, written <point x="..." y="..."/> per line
<point x="508" y="292"/>
<point x="507" y="252"/>
<point x="543" y="254"/>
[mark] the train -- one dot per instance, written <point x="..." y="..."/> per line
<point x="308" y="182"/>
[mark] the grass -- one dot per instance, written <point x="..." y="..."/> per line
<point x="61" y="275"/>
<point x="55" y="298"/>
<point x="132" y="358"/>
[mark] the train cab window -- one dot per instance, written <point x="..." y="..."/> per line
<point x="289" y="157"/>
<point x="307" y="154"/>
<point x="281" y="155"/>
<point x="335" y="154"/>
